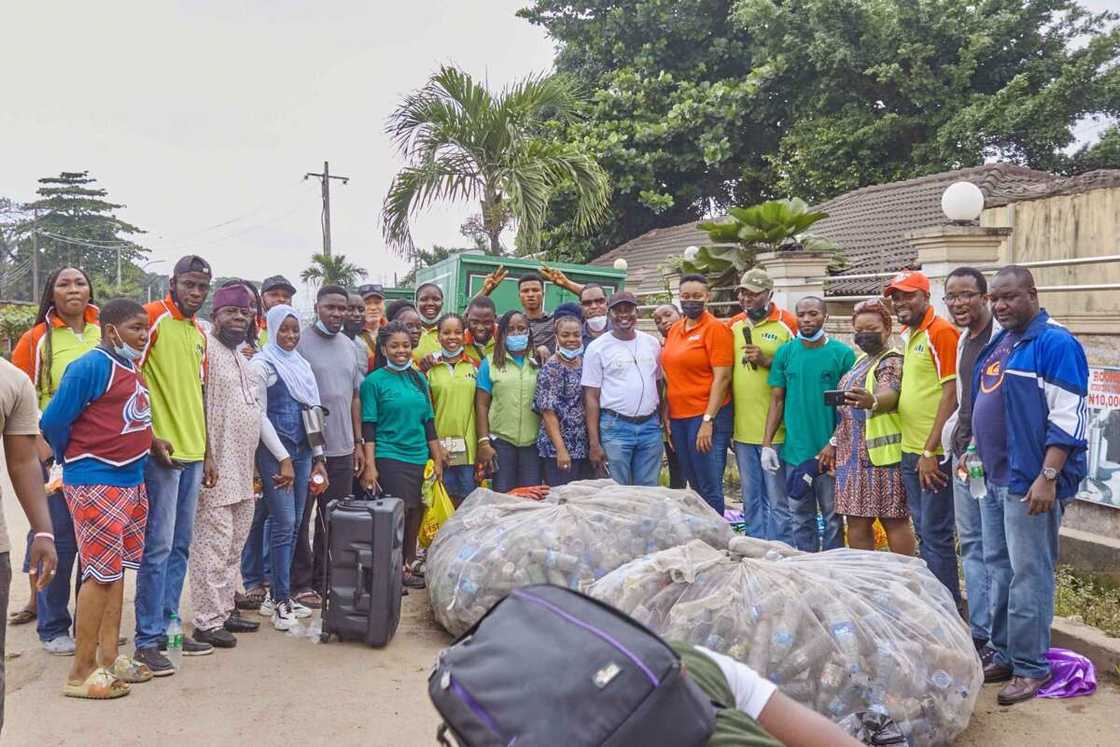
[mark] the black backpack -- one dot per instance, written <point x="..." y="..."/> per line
<point x="550" y="666"/>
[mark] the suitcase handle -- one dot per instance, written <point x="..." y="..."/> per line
<point x="360" y="585"/>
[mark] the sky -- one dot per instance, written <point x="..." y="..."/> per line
<point x="202" y="116"/>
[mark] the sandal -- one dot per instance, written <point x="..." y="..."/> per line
<point x="417" y="567"/>
<point x="100" y="685"/>
<point x="22" y="617"/>
<point x="412" y="581"/>
<point x="309" y="599"/>
<point x="127" y="669"/>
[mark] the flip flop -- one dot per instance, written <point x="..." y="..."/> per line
<point x="309" y="599"/>
<point x="22" y="617"/>
<point x="100" y="685"/>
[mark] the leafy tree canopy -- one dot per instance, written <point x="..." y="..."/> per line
<point x="701" y="105"/>
<point x="332" y="270"/>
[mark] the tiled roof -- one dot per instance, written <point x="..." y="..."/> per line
<point x="871" y="223"/>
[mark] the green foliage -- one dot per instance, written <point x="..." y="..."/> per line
<point x="463" y="142"/>
<point x="700" y="105"/>
<point x="333" y="270"/>
<point x="1095" y="602"/>
<point x="15" y="320"/>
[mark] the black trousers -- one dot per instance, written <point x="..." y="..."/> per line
<point x="308" y="563"/>
<point x="676" y="473"/>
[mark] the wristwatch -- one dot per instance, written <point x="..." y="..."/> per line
<point x="707" y="418"/>
<point x="928" y="454"/>
<point x="1050" y="473"/>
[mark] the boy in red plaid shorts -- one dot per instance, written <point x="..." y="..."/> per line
<point x="99" y="425"/>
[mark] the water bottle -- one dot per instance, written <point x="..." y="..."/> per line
<point x="175" y="641"/>
<point x="976" y="484"/>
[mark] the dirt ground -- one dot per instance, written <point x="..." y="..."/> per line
<point x="347" y="694"/>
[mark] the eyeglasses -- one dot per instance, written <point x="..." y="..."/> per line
<point x="965" y="297"/>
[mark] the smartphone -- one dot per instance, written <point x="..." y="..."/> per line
<point x="834" y="397"/>
<point x="747" y="341"/>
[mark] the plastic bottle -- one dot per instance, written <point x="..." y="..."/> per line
<point x="175" y="641"/>
<point x="976" y="484"/>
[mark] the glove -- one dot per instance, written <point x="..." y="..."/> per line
<point x="770" y="460"/>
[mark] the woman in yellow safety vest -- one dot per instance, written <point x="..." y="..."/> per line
<point x="866" y="447"/>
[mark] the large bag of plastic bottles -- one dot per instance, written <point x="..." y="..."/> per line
<point x="579" y="532"/>
<point x="841" y="632"/>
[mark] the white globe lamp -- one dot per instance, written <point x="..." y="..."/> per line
<point x="962" y="202"/>
<point x="621" y="264"/>
<point x="691" y="252"/>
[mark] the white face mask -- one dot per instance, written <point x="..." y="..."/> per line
<point x="597" y="323"/>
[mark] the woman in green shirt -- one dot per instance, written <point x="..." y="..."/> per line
<point x="452" y="381"/>
<point x="507" y="423"/>
<point x="398" y="425"/>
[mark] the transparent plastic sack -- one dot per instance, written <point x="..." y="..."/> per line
<point x="842" y="632"/>
<point x="496" y="542"/>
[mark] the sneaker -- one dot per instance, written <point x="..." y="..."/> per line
<point x="235" y="623"/>
<point x="284" y="618"/>
<point x="267" y="607"/>
<point x="301" y="612"/>
<point x="191" y="647"/>
<point x="157" y="663"/>
<point x="62" y="645"/>
<point x="130" y="670"/>
<point x="215" y="637"/>
<point x="413" y="582"/>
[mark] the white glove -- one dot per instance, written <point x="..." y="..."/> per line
<point x="770" y="460"/>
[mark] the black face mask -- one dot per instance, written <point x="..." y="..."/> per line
<point x="757" y="315"/>
<point x="229" y="338"/>
<point x="869" y="342"/>
<point x="692" y="309"/>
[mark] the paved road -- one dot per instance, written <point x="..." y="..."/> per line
<point x="345" y="694"/>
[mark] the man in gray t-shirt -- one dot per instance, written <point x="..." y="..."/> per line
<point x="335" y="365"/>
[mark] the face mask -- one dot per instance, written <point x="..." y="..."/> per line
<point x="692" y="309"/>
<point x="816" y="335"/>
<point x="597" y="323"/>
<point x="451" y="353"/>
<point x="398" y="367"/>
<point x="517" y="343"/>
<point x="757" y="315"/>
<point x="428" y="320"/>
<point x="230" y="338"/>
<point x="323" y="328"/>
<point x="869" y="342"/>
<point x="128" y="352"/>
<point x="570" y="354"/>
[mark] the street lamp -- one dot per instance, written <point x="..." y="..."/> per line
<point x="144" y="269"/>
<point x="962" y="202"/>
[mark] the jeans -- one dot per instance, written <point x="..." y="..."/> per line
<point x="172" y="501"/>
<point x="932" y="513"/>
<point x="704" y="472"/>
<point x="977" y="579"/>
<point x="256" y="559"/>
<point x="803" y="515"/>
<point x="765" y="505"/>
<point x="53" y="602"/>
<point x="308" y="565"/>
<point x="459" y="481"/>
<point x="633" y="449"/>
<point x="285" y="510"/>
<point x="518" y="466"/>
<point x="1021" y="552"/>
<point x="554" y="476"/>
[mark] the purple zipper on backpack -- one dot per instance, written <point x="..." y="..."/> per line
<point x="476" y="708"/>
<point x="591" y="629"/>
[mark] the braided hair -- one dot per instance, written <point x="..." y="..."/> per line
<point x="46" y="305"/>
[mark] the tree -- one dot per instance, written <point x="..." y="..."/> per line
<point x="427" y="258"/>
<point x="700" y="105"/>
<point x="463" y="142"/>
<point x="332" y="270"/>
<point x="76" y="226"/>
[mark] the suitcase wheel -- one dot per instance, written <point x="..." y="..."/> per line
<point x="324" y="638"/>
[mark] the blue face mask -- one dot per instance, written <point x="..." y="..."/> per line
<point x="517" y="343"/>
<point x="398" y="367"/>
<point x="818" y="335"/>
<point x="449" y="354"/>
<point x="128" y="352"/>
<point x="323" y="328"/>
<point x="570" y="354"/>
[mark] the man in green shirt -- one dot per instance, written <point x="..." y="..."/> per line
<point x="801" y="372"/>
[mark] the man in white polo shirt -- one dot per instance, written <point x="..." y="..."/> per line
<point x="621" y="370"/>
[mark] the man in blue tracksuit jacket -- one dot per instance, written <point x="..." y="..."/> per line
<point x="1029" y="420"/>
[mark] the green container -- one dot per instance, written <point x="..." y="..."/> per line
<point x="392" y="294"/>
<point x="461" y="278"/>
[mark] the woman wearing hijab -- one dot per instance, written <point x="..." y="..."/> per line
<point x="286" y="461"/>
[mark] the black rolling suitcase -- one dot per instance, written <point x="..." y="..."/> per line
<point x="365" y="539"/>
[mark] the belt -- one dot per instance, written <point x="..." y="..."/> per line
<point x="637" y="419"/>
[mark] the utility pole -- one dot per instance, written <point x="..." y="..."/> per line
<point x="325" y="179"/>
<point x="35" y="254"/>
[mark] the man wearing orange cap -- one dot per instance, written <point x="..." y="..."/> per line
<point x="927" y="400"/>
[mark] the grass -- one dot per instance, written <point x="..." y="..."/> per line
<point x="1094" y="602"/>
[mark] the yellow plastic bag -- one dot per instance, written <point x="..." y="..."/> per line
<point x="439" y="512"/>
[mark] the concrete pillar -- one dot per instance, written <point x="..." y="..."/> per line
<point x="942" y="249"/>
<point x="796" y="274"/>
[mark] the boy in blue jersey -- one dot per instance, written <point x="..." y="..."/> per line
<point x="99" y="425"/>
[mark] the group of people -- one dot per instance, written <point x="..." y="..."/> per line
<point x="160" y="421"/>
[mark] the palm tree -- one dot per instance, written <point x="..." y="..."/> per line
<point x="328" y="270"/>
<point x="462" y="142"/>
